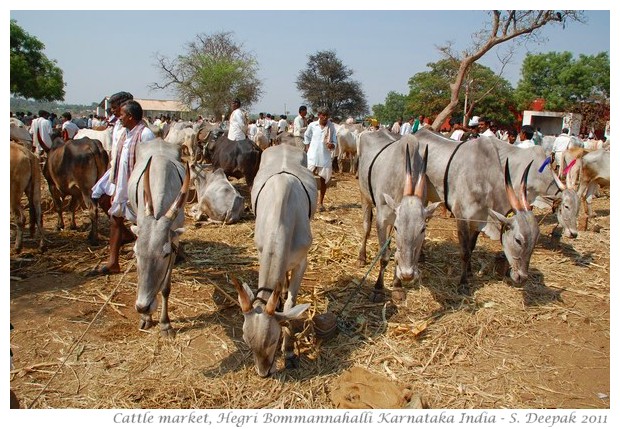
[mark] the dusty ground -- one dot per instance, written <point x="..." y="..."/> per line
<point x="543" y="345"/>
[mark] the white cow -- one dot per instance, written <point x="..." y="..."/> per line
<point x="217" y="197"/>
<point x="104" y="136"/>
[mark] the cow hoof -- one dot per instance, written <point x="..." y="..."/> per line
<point x="168" y="332"/>
<point x="464" y="289"/>
<point x="146" y="324"/>
<point x="399" y="294"/>
<point x="377" y="295"/>
<point x="291" y="362"/>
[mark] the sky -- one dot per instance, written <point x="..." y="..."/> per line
<point x="103" y="52"/>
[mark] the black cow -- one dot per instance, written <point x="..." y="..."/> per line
<point x="72" y="169"/>
<point x="237" y="158"/>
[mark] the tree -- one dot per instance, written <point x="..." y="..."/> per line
<point x="393" y="108"/>
<point x="504" y="26"/>
<point x="487" y="93"/>
<point x="563" y="81"/>
<point x="326" y="82"/>
<point x="33" y="75"/>
<point x="214" y="70"/>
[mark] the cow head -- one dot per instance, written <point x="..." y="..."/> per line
<point x="519" y="232"/>
<point x="262" y="325"/>
<point x="155" y="246"/>
<point x="410" y="222"/>
<point x="567" y="207"/>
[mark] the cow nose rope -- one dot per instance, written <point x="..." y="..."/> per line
<point x="343" y="325"/>
<point x="76" y="342"/>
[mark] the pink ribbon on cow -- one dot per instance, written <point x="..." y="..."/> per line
<point x="568" y="167"/>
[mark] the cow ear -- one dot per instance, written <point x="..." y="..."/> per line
<point x="390" y="202"/>
<point x="135" y="229"/>
<point x="292" y="313"/>
<point x="177" y="232"/>
<point x="499" y="217"/>
<point x="428" y="211"/>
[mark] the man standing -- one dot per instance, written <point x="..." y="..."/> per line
<point x="525" y="137"/>
<point x="396" y="126"/>
<point x="69" y="129"/>
<point x="299" y="126"/>
<point x="320" y="139"/>
<point x="559" y="146"/>
<point x="484" y="128"/>
<point x="407" y="126"/>
<point x="41" y="130"/>
<point x="134" y="131"/>
<point x="237" y="124"/>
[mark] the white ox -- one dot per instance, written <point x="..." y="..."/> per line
<point x="217" y="197"/>
<point x="104" y="136"/>
<point x="183" y="135"/>
<point x="347" y="137"/>
<point x="158" y="189"/>
<point x="283" y="199"/>
<point x="594" y="173"/>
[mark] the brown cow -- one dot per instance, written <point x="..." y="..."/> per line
<point x="26" y="177"/>
<point x="72" y="168"/>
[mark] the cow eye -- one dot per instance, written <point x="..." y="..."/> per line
<point x="518" y="241"/>
<point x="423" y="230"/>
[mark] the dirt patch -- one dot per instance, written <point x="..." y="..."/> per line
<point x="543" y="345"/>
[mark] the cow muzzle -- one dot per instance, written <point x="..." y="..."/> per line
<point x="517" y="276"/>
<point x="407" y="274"/>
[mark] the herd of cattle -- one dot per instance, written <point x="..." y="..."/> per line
<point x="404" y="177"/>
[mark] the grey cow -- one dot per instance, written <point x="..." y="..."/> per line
<point x="386" y="179"/>
<point x="283" y="199"/>
<point x="158" y="188"/>
<point x="217" y="197"/>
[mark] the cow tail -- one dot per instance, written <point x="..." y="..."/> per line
<point x="36" y="215"/>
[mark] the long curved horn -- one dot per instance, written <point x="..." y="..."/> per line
<point x="510" y="192"/>
<point x="173" y="211"/>
<point x="408" y="177"/>
<point x="244" y="299"/>
<point x="523" y="188"/>
<point x="148" y="198"/>
<point x="558" y="181"/>
<point x="272" y="303"/>
<point x="420" y="187"/>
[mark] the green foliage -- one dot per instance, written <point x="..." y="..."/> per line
<point x="214" y="70"/>
<point x="33" y="75"/>
<point x="562" y="81"/>
<point x="326" y="82"/>
<point x="488" y="94"/>
<point x="393" y="108"/>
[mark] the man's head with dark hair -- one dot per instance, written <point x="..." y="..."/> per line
<point x="528" y="131"/>
<point x="67" y="116"/>
<point x="43" y="113"/>
<point x="303" y="109"/>
<point x="236" y="103"/>
<point x="131" y="113"/>
<point x="119" y="98"/>
<point x="565" y="130"/>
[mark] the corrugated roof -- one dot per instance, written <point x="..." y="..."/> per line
<point x="156" y="105"/>
<point x="162" y="105"/>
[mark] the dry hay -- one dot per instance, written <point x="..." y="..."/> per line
<point x="543" y="345"/>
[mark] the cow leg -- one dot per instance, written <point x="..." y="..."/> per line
<point x="72" y="208"/>
<point x="291" y="360"/>
<point x="57" y="199"/>
<point x="367" y="222"/>
<point x="464" y="243"/>
<point x="164" y="319"/>
<point x="473" y="239"/>
<point x="378" y="294"/>
<point x="20" y="219"/>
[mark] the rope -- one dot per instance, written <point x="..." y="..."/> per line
<point x="359" y="286"/>
<point x="76" y="342"/>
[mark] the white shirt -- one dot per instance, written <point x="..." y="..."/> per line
<point x="488" y="133"/>
<point x="457" y="134"/>
<point x="120" y="206"/>
<point x="71" y="128"/>
<point x="43" y="127"/>
<point x="396" y="128"/>
<point x="236" y="125"/>
<point x="282" y="125"/>
<point x="524" y="144"/>
<point x="561" y="143"/>
<point x="252" y="130"/>
<point x="298" y="126"/>
<point x="318" y="153"/>
<point x="405" y="129"/>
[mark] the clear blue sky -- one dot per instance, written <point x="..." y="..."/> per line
<point x="102" y="52"/>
